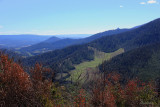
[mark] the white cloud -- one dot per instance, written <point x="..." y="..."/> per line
<point x="121" y="6"/>
<point x="152" y="1"/>
<point x="142" y="3"/>
<point x="1" y="26"/>
<point x="149" y="2"/>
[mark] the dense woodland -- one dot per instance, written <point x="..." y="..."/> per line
<point x="142" y="63"/>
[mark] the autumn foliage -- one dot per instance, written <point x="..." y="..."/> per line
<point x="109" y="92"/>
<point x="80" y="99"/>
<point x="18" y="88"/>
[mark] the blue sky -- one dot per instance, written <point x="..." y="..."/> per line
<point x="50" y="17"/>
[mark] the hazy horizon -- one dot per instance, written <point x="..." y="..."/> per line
<point x="54" y="17"/>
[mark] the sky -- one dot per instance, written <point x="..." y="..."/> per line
<point x="53" y="17"/>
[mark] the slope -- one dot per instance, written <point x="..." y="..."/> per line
<point x="144" y="35"/>
<point x="143" y="62"/>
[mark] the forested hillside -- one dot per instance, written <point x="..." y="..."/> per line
<point x="144" y="35"/>
<point x="143" y="63"/>
<point x="67" y="57"/>
<point x="62" y="60"/>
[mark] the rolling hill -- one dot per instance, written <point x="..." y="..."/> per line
<point x="51" y="44"/>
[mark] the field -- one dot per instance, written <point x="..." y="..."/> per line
<point x="86" y="70"/>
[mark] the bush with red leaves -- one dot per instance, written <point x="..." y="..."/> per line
<point x="17" y="88"/>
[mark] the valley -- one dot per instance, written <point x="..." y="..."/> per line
<point x="121" y="65"/>
<point x="64" y="60"/>
<point x="70" y="58"/>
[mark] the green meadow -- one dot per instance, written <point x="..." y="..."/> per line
<point x="84" y="71"/>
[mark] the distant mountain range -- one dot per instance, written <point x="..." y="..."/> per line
<point x="54" y="43"/>
<point x="25" y="40"/>
<point x="17" y="41"/>
<point x="73" y="36"/>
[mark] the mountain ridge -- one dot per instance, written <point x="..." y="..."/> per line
<point x="60" y="44"/>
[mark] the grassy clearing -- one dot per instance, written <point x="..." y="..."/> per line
<point x="85" y="70"/>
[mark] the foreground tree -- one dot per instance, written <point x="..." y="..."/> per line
<point x="15" y="84"/>
<point x="17" y="88"/>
